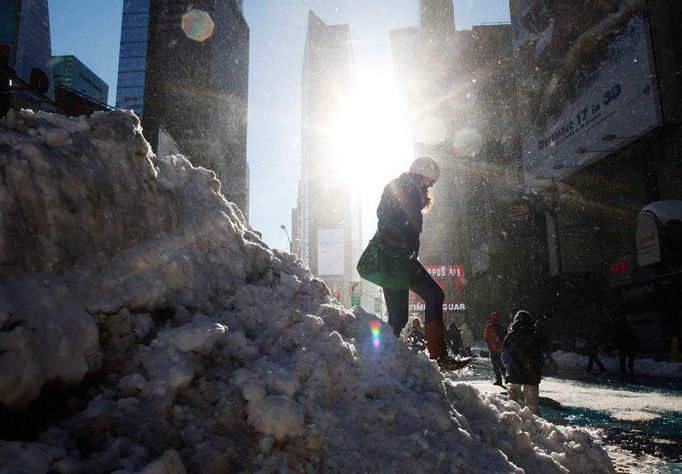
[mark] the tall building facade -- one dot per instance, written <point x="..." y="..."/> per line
<point x="184" y="68"/>
<point x="70" y="72"/>
<point x="458" y="87"/>
<point x="25" y="49"/>
<point x="133" y="56"/>
<point x="326" y="223"/>
<point x="601" y="116"/>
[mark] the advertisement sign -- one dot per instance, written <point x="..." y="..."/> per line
<point x="586" y="81"/>
<point x="330" y="252"/>
<point x="648" y="243"/>
<point x="451" y="279"/>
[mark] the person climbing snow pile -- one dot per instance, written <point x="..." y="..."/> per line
<point x="390" y="259"/>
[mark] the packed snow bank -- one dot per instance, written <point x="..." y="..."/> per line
<point x="649" y="367"/>
<point x="197" y="347"/>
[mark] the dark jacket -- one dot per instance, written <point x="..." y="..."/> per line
<point x="415" y="339"/>
<point x="453" y="338"/>
<point x="522" y="355"/>
<point x="400" y="214"/>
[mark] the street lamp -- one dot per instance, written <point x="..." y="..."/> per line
<point x="291" y="244"/>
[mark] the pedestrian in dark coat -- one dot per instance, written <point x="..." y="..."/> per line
<point x="592" y="348"/>
<point x="453" y="339"/>
<point x="494" y="334"/>
<point x="415" y="338"/>
<point x="522" y="358"/>
<point x="540" y="328"/>
<point x="399" y="226"/>
<point x="626" y="343"/>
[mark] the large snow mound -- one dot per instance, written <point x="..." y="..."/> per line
<point x="195" y="347"/>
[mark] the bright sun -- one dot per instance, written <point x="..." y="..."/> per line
<point x="370" y="139"/>
<point x="371" y="144"/>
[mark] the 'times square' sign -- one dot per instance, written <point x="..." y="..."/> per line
<point x="451" y="279"/>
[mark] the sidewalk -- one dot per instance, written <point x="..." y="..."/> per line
<point x="647" y="371"/>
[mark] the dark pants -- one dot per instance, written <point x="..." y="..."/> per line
<point x="397" y="301"/>
<point x="593" y="357"/>
<point x="496" y="359"/>
<point x="631" y="361"/>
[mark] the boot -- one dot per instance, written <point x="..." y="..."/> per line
<point x="435" y="343"/>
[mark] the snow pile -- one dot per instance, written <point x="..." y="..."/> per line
<point x="194" y="347"/>
<point x="649" y="367"/>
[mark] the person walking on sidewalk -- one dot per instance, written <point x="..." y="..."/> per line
<point x="592" y="348"/>
<point x="467" y="339"/>
<point x="493" y="335"/>
<point x="453" y="339"/>
<point x="390" y="259"/>
<point x="540" y="328"/>
<point x="626" y="343"/>
<point x="522" y="357"/>
<point x="415" y="337"/>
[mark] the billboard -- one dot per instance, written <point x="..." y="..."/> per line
<point x="451" y="279"/>
<point x="330" y="252"/>
<point x="585" y="78"/>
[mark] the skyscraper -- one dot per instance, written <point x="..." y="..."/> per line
<point x="436" y="15"/>
<point x="69" y="71"/>
<point x="328" y="214"/>
<point x="184" y="69"/>
<point x="133" y="56"/>
<point x="26" y="48"/>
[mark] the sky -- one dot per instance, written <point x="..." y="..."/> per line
<point x="91" y="29"/>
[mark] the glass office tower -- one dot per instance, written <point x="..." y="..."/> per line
<point x="25" y="33"/>
<point x="133" y="56"/>
<point x="70" y="72"/>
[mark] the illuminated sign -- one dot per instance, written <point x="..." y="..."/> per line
<point x="452" y="280"/>
<point x="619" y="267"/>
<point x="586" y="84"/>
<point x="648" y="244"/>
<point x="620" y="271"/>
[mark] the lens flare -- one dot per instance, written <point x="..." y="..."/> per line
<point x="197" y="25"/>
<point x="375" y="328"/>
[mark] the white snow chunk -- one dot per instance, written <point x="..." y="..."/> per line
<point x="169" y="463"/>
<point x="288" y="285"/>
<point x="132" y="383"/>
<point x="68" y="466"/>
<point x="55" y="137"/>
<point x="23" y="458"/>
<point x="142" y="324"/>
<point x="281" y="383"/>
<point x="276" y="416"/>
<point x="198" y="336"/>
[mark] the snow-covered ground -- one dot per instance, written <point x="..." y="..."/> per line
<point x="649" y="415"/>
<point x="649" y="367"/>
<point x="194" y="347"/>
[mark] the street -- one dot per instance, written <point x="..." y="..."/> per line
<point x="639" y="421"/>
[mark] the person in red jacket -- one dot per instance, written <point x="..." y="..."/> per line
<point x="494" y="336"/>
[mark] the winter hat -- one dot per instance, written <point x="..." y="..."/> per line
<point x="522" y="316"/>
<point x="427" y="167"/>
